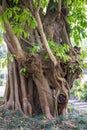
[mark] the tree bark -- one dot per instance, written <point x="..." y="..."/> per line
<point x="38" y="84"/>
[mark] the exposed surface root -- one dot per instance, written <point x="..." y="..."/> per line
<point x="9" y="105"/>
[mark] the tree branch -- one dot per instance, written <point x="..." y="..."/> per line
<point x="44" y="39"/>
<point x="51" y="2"/>
<point x="29" y="5"/>
<point x="59" y="7"/>
<point x="31" y="44"/>
<point x="14" y="40"/>
<point x="3" y="4"/>
<point x="39" y="1"/>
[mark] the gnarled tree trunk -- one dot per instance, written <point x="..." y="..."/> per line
<point x="45" y="88"/>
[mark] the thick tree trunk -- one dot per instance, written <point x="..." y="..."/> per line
<point x="45" y="86"/>
<point x="51" y="94"/>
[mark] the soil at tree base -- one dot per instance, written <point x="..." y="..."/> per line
<point x="16" y="120"/>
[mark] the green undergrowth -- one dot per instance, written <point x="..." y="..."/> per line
<point x="16" y="120"/>
<point x="80" y="90"/>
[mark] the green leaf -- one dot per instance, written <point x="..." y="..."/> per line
<point x="33" y="23"/>
<point x="85" y="65"/>
<point x="8" y="13"/>
<point x="1" y="39"/>
<point x="26" y="34"/>
<point x="4" y="62"/>
<point x="77" y="20"/>
<point x="16" y="1"/>
<point x="23" y="71"/>
<point x="44" y="3"/>
<point x="46" y="56"/>
<point x="35" y="49"/>
<point x="59" y="51"/>
<point x="12" y="57"/>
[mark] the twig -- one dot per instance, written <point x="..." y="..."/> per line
<point x="3" y="4"/>
<point x="31" y="44"/>
<point x="31" y="4"/>
<point x="59" y="7"/>
<point x="39" y="1"/>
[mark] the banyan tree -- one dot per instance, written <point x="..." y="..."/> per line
<point x="45" y="63"/>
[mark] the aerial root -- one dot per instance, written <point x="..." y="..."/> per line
<point x="8" y="105"/>
<point x="27" y="108"/>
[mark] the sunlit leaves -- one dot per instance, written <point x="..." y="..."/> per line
<point x="77" y="20"/>
<point x="20" y="17"/>
<point x="4" y="62"/>
<point x="32" y="23"/>
<point x="59" y="51"/>
<point x="19" y="31"/>
<point x="25" y="17"/>
<point x="81" y="89"/>
<point x="2" y="29"/>
<point x="8" y="13"/>
<point x="34" y="50"/>
<point x="16" y="1"/>
<point x="1" y="38"/>
<point x="44" y="3"/>
<point x="83" y="54"/>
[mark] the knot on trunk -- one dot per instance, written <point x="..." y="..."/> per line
<point x="62" y="98"/>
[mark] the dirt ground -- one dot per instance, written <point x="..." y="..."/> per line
<point x="17" y="121"/>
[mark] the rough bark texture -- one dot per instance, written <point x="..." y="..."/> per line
<point x="46" y="86"/>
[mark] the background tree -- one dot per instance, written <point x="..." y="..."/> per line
<point x="42" y="63"/>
